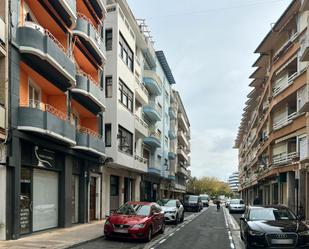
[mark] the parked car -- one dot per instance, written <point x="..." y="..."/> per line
<point x="205" y="200"/>
<point x="136" y="220"/>
<point x="237" y="205"/>
<point x="173" y="210"/>
<point x="193" y="203"/>
<point x="273" y="227"/>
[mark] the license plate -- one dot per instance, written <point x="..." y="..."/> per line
<point x="282" y="241"/>
<point x="121" y="230"/>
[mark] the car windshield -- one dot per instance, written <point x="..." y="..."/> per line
<point x="193" y="198"/>
<point x="271" y="214"/>
<point x="134" y="209"/>
<point x="237" y="201"/>
<point x="167" y="203"/>
<point x="204" y="198"/>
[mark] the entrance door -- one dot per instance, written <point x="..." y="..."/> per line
<point x="114" y="192"/>
<point x="25" y="201"/>
<point x="93" y="187"/>
<point x="45" y="199"/>
<point x="127" y="189"/>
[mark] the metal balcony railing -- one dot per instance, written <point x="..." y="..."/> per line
<point x="88" y="131"/>
<point x="285" y="46"/>
<point x="141" y="159"/>
<point x="283" y="83"/>
<point x="284" y="121"/>
<point x="141" y="121"/>
<point x="284" y="158"/>
<point x="142" y="86"/>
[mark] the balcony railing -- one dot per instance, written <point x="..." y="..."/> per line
<point x="141" y="121"/>
<point x="285" y="46"/>
<point x="285" y="121"/>
<point x="285" y="158"/>
<point x="141" y="160"/>
<point x="46" y="108"/>
<point x="283" y="83"/>
<point x="142" y="86"/>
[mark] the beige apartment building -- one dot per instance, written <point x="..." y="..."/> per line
<point x="272" y="138"/>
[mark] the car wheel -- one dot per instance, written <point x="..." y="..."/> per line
<point x="162" y="228"/>
<point x="149" y="235"/>
<point x="107" y="237"/>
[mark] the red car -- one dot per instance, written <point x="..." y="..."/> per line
<point x="136" y="220"/>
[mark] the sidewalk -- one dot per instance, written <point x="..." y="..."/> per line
<point x="58" y="238"/>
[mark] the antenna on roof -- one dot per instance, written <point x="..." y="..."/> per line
<point x="144" y="28"/>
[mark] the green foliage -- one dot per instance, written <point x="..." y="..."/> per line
<point x="209" y="185"/>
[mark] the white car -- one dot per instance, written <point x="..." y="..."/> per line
<point x="173" y="210"/>
<point x="237" y="205"/>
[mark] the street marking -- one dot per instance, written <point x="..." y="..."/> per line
<point x="232" y="245"/>
<point x="177" y="229"/>
<point x="171" y="234"/>
<point x="162" y="241"/>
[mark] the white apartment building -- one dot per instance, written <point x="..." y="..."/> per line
<point x="234" y="181"/>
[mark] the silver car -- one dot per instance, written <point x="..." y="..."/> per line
<point x="237" y="205"/>
<point x="173" y="210"/>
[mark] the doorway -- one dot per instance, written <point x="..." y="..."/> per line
<point x="93" y="187"/>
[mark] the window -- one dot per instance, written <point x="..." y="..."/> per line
<point x="109" y="87"/>
<point x="125" y="140"/>
<point x="114" y="185"/>
<point x="125" y="96"/>
<point x="34" y="97"/>
<point x="125" y="52"/>
<point x="109" y="39"/>
<point x="108" y="135"/>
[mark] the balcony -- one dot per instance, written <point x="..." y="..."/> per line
<point x="141" y="93"/>
<point x="66" y="10"/>
<point x="189" y="161"/>
<point x="89" y="141"/>
<point x="153" y="139"/>
<point x="182" y="121"/>
<point x="88" y="92"/>
<point x="283" y="83"/>
<point x="99" y="7"/>
<point x="180" y="187"/>
<point x="285" y="46"/>
<point x="90" y="38"/>
<point x="285" y="158"/>
<point x="149" y="53"/>
<point x="304" y="5"/>
<point x="172" y="135"/>
<point x="153" y="111"/>
<point x="46" y="120"/>
<point x="153" y="170"/>
<point x="285" y="121"/>
<point x="172" y="113"/>
<point x="152" y="82"/>
<point x="2" y="121"/>
<point x="137" y="67"/>
<point x="141" y="126"/>
<point x="182" y="138"/>
<point x="181" y="152"/>
<point x="304" y="47"/>
<point x="2" y="38"/>
<point x="172" y="155"/>
<point x="303" y="100"/>
<point x="47" y="54"/>
<point x="141" y="164"/>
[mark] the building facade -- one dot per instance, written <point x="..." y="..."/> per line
<point x="234" y="182"/>
<point x="272" y="139"/>
<point x="3" y="112"/>
<point x="55" y="148"/>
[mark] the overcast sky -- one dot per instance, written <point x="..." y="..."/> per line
<point x="209" y="46"/>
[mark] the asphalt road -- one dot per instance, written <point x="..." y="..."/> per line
<point x="130" y="244"/>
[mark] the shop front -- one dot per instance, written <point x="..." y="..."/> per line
<point x="150" y="188"/>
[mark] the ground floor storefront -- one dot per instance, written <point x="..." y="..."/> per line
<point x="49" y="185"/>
<point x="119" y="187"/>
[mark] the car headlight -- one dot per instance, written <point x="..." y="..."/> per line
<point x="141" y="225"/>
<point x="255" y="233"/>
<point x="171" y="212"/>
<point x="304" y="233"/>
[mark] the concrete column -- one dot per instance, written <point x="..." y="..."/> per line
<point x="105" y="193"/>
<point x="137" y="188"/>
<point x="121" y="190"/>
<point x="271" y="193"/>
<point x="66" y="193"/>
<point x="2" y="202"/>
<point x="291" y="190"/>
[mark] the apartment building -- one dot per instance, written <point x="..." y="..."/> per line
<point x="138" y="89"/>
<point x="3" y="108"/>
<point x="56" y="102"/>
<point x="272" y="138"/>
<point x="234" y="182"/>
<point x="180" y="135"/>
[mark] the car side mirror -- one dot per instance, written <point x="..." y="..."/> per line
<point x="300" y="217"/>
<point x="242" y="218"/>
<point x="178" y="205"/>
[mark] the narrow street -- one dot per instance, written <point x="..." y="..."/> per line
<point x="205" y="229"/>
